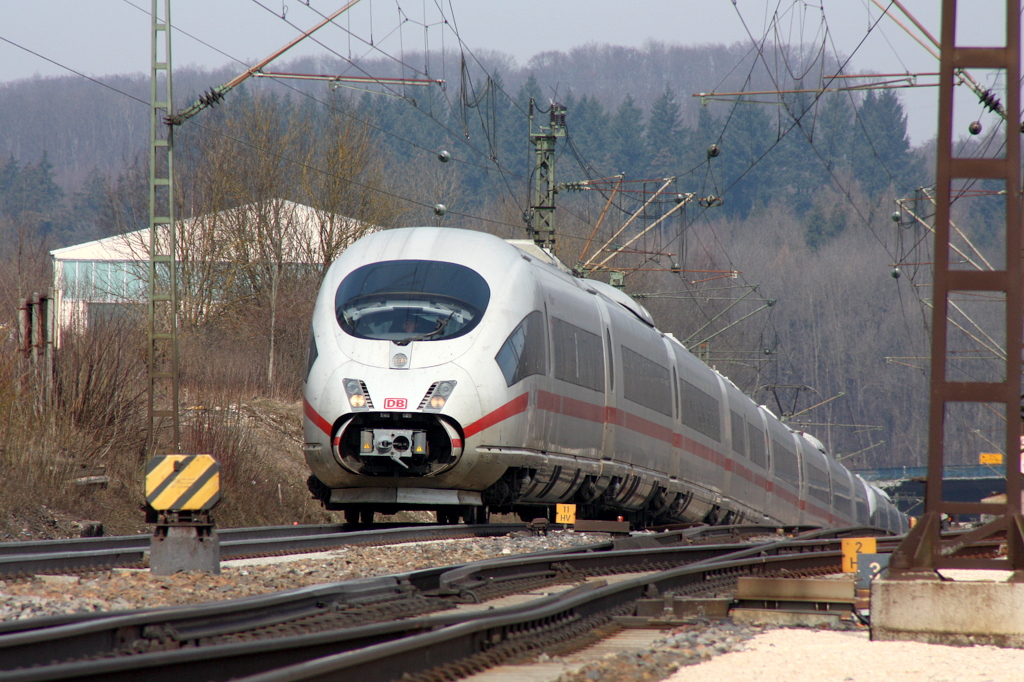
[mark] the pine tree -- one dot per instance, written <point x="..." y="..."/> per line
<point x="626" y="141"/>
<point x="744" y="168"/>
<point x="833" y="130"/>
<point x="881" y="147"/>
<point x="587" y="123"/>
<point x="664" y="134"/>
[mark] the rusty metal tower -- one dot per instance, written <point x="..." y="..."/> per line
<point x="924" y="551"/>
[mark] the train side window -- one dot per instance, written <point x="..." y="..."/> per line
<point x="645" y="382"/>
<point x="700" y="410"/>
<point x="675" y="392"/>
<point x="311" y="353"/>
<point x="787" y="465"/>
<point x="611" y="360"/>
<point x="817" y="483"/>
<point x="523" y="353"/>
<point x="736" y="426"/>
<point x="579" y="358"/>
<point x="755" y="441"/>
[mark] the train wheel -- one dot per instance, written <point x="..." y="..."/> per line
<point x="447" y="518"/>
<point x="351" y="516"/>
<point x="481" y="515"/>
<point x="366" y="517"/>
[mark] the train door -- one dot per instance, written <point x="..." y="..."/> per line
<point x="702" y="434"/>
<point x="816" y="476"/>
<point x="785" y="472"/>
<point x="611" y="367"/>
<point x="576" y="400"/>
<point x="747" y="481"/>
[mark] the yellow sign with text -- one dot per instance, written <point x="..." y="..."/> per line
<point x="565" y="513"/>
<point x="854" y="546"/>
<point x="990" y="458"/>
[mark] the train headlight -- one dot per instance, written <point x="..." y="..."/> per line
<point x="358" y="396"/>
<point x="399" y="360"/>
<point x="437" y="396"/>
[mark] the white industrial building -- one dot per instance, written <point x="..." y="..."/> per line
<point x="106" y="277"/>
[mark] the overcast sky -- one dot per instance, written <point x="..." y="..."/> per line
<point x="101" y="37"/>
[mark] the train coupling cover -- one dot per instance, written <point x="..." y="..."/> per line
<point x="393" y="443"/>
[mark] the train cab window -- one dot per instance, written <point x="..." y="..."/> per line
<point x="311" y="353"/>
<point x="579" y="357"/>
<point x="523" y="353"/>
<point x="645" y="382"/>
<point x="411" y="300"/>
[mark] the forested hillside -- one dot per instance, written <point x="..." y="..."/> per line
<point x="778" y="270"/>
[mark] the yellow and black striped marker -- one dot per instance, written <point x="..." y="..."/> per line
<point x="182" y="483"/>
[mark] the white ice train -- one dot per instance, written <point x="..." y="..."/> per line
<point x="450" y="370"/>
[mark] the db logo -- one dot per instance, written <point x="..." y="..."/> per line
<point x="395" y="403"/>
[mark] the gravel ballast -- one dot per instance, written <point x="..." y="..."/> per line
<point x="133" y="589"/>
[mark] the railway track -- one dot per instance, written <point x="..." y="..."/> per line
<point x="386" y="627"/>
<point x="87" y="554"/>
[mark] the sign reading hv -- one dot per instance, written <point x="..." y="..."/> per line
<point x="565" y="513"/>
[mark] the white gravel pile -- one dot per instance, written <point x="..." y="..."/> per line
<point x="785" y="655"/>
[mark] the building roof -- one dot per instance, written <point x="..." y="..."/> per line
<point x="302" y="230"/>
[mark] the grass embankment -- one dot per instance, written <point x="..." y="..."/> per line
<point x="57" y="443"/>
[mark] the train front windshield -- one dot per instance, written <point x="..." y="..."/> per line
<point x="411" y="300"/>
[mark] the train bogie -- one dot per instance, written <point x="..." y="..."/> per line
<point x="450" y="370"/>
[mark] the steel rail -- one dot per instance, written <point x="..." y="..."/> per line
<point x="429" y="580"/>
<point x="231" y="615"/>
<point x="182" y="627"/>
<point x="370" y="650"/>
<point x="50" y="556"/>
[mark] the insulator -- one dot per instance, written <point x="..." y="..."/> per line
<point x="443" y="156"/>
<point x="680" y="198"/>
<point x="895" y="273"/>
<point x="974" y="128"/>
<point x="676" y="267"/>
<point x="440" y="210"/>
<point x="713" y="151"/>
<point x="895" y="216"/>
<point x="991" y="102"/>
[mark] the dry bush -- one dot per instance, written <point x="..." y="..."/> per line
<point x="262" y="473"/>
<point x="94" y="423"/>
<point x="89" y="423"/>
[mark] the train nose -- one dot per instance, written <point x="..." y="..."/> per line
<point x="397" y="444"/>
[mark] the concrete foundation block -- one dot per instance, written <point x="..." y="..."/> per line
<point x="785" y="618"/>
<point x="176" y="549"/>
<point x="948" y="612"/>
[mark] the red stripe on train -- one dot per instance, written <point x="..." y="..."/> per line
<point x="509" y="409"/>
<point x="317" y="420"/>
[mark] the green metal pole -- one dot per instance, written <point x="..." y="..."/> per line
<point x="163" y="286"/>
